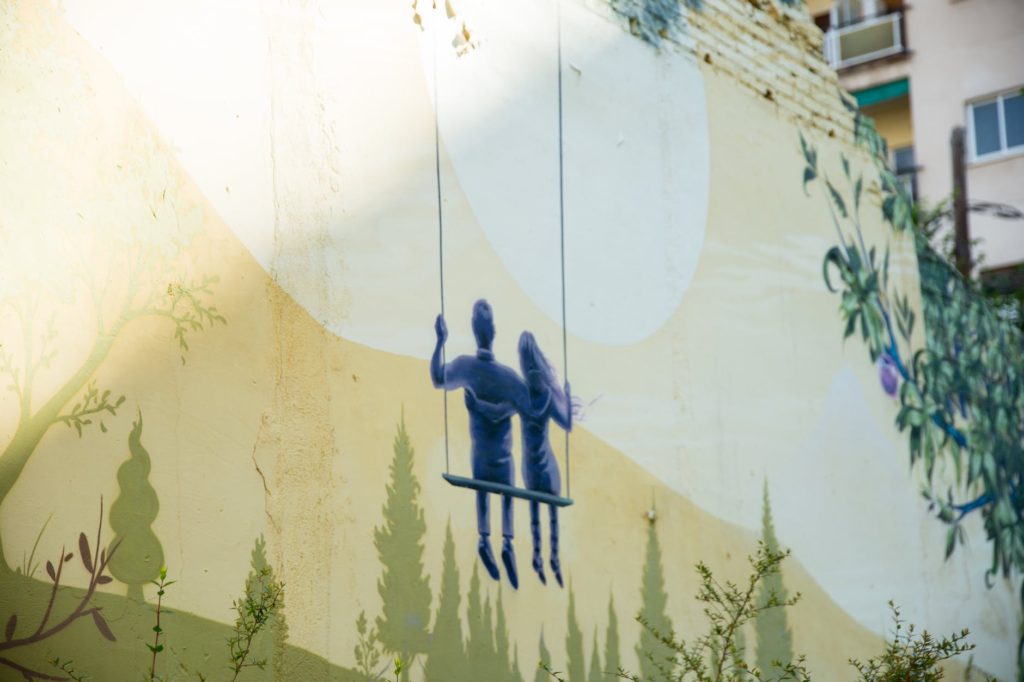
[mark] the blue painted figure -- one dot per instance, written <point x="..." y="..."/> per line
<point x="547" y="400"/>
<point x="491" y="382"/>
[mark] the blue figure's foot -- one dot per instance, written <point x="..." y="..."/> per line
<point x="508" y="557"/>
<point x="556" y="568"/>
<point x="538" y="567"/>
<point x="487" y="557"/>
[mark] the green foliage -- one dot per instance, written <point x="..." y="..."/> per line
<point x="156" y="648"/>
<point x="447" y="658"/>
<point x="368" y="651"/>
<point x="403" y="587"/>
<point x="911" y="656"/>
<point x="961" y="398"/>
<point x="774" y="639"/>
<point x="716" y="655"/>
<point x="269" y="643"/>
<point x="544" y="664"/>
<point x="92" y="403"/>
<point x="575" y="663"/>
<point x="612" y="660"/>
<point x="263" y="597"/>
<point x="651" y="649"/>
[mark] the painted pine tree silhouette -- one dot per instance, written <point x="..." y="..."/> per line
<point x="447" y="659"/>
<point x="596" y="671"/>
<point x="650" y="651"/>
<point x="544" y="661"/>
<point x="517" y="675"/>
<point x="403" y="586"/>
<point x="139" y="555"/>
<point x="492" y="670"/>
<point x="774" y="638"/>
<point x="480" y="643"/>
<point x="612" y="659"/>
<point x="575" y="663"/>
<point x="503" y="664"/>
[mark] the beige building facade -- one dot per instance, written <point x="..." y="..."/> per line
<point x="920" y="69"/>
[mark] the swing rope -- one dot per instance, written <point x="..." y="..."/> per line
<point x="561" y="228"/>
<point x="440" y="241"/>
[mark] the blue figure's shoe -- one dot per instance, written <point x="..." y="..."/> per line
<point x="508" y="557"/>
<point x="556" y="568"/>
<point x="487" y="557"/>
<point x="538" y="567"/>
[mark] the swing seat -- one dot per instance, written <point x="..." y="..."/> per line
<point x="510" y="490"/>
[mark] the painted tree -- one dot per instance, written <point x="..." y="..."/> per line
<point x="493" y="670"/>
<point x="72" y="287"/>
<point x="403" y="587"/>
<point x="140" y="555"/>
<point x="596" y="671"/>
<point x="544" y="660"/>
<point x="480" y="643"/>
<point x="502" y="657"/>
<point x="517" y="675"/>
<point x="575" y="661"/>
<point x="612" y="659"/>
<point x="771" y="628"/>
<point x="447" y="659"/>
<point x="650" y="651"/>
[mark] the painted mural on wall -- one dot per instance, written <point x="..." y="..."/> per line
<point x="961" y="404"/>
<point x="493" y="394"/>
<point x="216" y="337"/>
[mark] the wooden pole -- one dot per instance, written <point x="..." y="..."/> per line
<point x="961" y="230"/>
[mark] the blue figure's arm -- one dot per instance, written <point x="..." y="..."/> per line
<point x="561" y="407"/>
<point x="441" y="375"/>
<point x="436" y="365"/>
<point x="495" y="412"/>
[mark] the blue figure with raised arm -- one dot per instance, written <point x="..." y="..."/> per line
<point x="491" y="437"/>
<point x="547" y="401"/>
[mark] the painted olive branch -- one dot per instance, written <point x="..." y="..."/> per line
<point x="96" y="569"/>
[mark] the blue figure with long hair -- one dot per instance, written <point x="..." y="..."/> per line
<point x="547" y="401"/>
<point x="492" y="383"/>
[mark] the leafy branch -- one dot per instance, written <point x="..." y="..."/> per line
<point x="156" y="647"/>
<point x="912" y="656"/>
<point x="91" y="403"/>
<point x="185" y="306"/>
<point x="263" y="597"/>
<point x="44" y="630"/>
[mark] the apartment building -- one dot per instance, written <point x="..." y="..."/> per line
<point x="921" y="68"/>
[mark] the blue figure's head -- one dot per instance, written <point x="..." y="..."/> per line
<point x="536" y="369"/>
<point x="483" y="324"/>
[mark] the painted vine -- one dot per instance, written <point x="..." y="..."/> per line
<point x="961" y="394"/>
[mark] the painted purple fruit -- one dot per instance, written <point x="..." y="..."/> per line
<point x="888" y="374"/>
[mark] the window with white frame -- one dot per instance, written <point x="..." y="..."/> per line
<point x="997" y="124"/>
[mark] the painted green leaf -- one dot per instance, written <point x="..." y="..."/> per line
<point x="837" y="200"/>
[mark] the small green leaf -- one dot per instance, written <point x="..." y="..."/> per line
<point x="837" y="200"/>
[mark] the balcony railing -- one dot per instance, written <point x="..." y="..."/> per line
<point x="865" y="41"/>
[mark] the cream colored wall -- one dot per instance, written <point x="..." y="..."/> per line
<point x="967" y="50"/>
